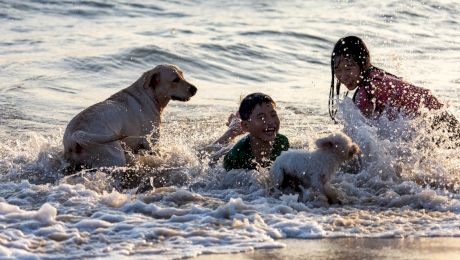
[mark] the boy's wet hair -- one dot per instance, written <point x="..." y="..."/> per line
<point x="248" y="104"/>
<point x="354" y="48"/>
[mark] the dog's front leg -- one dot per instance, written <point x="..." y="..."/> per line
<point x="331" y="193"/>
<point x="134" y="144"/>
<point x="312" y="196"/>
<point x="151" y="140"/>
<point x="305" y="195"/>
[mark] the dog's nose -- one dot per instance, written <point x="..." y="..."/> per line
<point x="193" y="90"/>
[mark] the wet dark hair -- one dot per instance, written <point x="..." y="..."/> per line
<point x="355" y="48"/>
<point x="248" y="104"/>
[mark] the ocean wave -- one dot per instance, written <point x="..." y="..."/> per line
<point x="296" y="35"/>
<point x="89" y="9"/>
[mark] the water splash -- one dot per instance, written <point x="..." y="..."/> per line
<point x="401" y="164"/>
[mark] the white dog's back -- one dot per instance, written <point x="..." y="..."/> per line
<point x="312" y="169"/>
<point x="292" y="162"/>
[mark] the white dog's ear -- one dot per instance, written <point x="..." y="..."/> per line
<point x="151" y="79"/>
<point x="324" y="143"/>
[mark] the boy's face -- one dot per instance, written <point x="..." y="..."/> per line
<point x="263" y="123"/>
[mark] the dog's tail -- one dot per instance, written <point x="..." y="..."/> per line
<point x="86" y="139"/>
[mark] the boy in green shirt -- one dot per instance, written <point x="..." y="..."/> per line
<point x="263" y="143"/>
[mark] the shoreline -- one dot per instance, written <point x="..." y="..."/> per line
<point x="354" y="248"/>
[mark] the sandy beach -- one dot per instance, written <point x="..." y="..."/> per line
<point x="356" y="248"/>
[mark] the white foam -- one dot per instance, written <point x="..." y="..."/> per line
<point x="91" y="224"/>
<point x="46" y="214"/>
<point x="6" y="208"/>
<point x="114" y="199"/>
<point x="209" y="210"/>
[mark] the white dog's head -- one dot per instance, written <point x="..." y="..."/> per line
<point x="340" y="144"/>
<point x="168" y="82"/>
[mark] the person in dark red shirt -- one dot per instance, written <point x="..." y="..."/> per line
<point x="378" y="92"/>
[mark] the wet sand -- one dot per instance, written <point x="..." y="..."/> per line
<point x="355" y="248"/>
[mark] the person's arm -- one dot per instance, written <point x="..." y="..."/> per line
<point x="221" y="146"/>
<point x="381" y="90"/>
<point x="234" y="130"/>
<point x="431" y="102"/>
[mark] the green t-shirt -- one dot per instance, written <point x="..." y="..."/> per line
<point x="241" y="156"/>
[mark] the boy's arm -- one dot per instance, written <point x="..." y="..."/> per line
<point x="222" y="145"/>
<point x="234" y="130"/>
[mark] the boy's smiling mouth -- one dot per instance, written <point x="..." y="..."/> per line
<point x="270" y="131"/>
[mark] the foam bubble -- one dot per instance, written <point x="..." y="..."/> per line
<point x="114" y="199"/>
<point x="46" y="214"/>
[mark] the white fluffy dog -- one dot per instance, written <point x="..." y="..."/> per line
<point x="127" y="121"/>
<point x="309" y="172"/>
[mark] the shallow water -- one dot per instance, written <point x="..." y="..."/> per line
<point x="356" y="248"/>
<point x="59" y="57"/>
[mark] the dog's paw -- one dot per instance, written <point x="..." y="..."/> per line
<point x="313" y="198"/>
<point x="305" y="195"/>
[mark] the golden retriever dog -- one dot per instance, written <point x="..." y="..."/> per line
<point x="128" y="121"/>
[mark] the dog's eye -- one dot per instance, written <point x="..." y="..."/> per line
<point x="176" y="80"/>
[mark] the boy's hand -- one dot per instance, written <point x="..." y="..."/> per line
<point x="234" y="124"/>
<point x="234" y="130"/>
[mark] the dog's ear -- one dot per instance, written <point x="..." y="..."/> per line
<point x="151" y="79"/>
<point x="354" y="149"/>
<point x="324" y="143"/>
